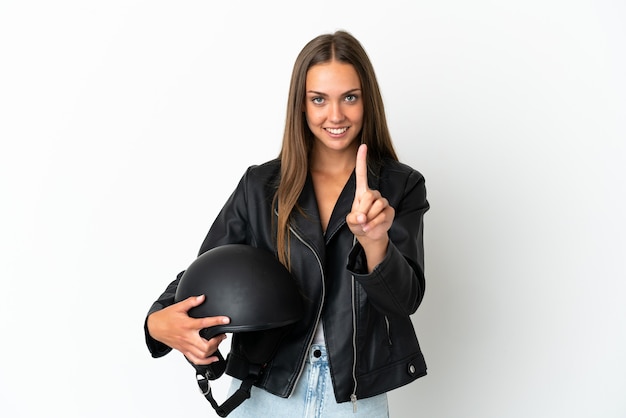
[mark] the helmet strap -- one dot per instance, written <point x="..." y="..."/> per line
<point x="235" y="399"/>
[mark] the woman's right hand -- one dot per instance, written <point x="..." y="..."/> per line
<point x="174" y="327"/>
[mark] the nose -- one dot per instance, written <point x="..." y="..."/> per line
<point x="335" y="113"/>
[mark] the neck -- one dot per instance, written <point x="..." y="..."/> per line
<point x="332" y="161"/>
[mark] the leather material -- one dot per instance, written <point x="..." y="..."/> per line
<point x="379" y="353"/>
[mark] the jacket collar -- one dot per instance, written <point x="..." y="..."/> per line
<point x="346" y="198"/>
<point x="305" y="219"/>
<point x="306" y="222"/>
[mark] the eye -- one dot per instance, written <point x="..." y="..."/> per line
<point x="351" y="98"/>
<point x="317" y="100"/>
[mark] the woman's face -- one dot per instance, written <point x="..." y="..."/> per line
<point x="334" y="105"/>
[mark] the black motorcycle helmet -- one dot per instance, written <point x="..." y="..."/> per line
<point x="257" y="293"/>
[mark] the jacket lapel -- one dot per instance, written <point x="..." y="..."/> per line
<point x="344" y="202"/>
<point x="306" y="221"/>
<point x="343" y="206"/>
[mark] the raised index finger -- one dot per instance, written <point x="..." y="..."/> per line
<point x="361" y="170"/>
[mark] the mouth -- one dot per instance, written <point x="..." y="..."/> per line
<point x="336" y="131"/>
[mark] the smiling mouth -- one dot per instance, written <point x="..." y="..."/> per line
<point x="336" y="131"/>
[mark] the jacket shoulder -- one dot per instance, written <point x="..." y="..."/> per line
<point x="396" y="171"/>
<point x="264" y="174"/>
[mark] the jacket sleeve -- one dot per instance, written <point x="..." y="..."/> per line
<point x="230" y="226"/>
<point x="396" y="285"/>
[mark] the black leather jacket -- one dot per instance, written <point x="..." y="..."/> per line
<point x="369" y="335"/>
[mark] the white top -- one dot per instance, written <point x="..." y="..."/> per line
<point x="319" y="335"/>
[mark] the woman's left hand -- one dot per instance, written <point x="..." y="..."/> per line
<point x="371" y="216"/>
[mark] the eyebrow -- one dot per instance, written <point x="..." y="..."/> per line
<point x="319" y="93"/>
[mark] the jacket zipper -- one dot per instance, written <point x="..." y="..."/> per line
<point x="319" y="313"/>
<point x="354" y="353"/>
<point x="353" y="397"/>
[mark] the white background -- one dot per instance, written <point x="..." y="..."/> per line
<point x="126" y="124"/>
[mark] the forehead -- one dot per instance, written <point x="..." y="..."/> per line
<point x="332" y="76"/>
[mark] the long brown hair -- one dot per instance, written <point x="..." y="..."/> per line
<point x="298" y="139"/>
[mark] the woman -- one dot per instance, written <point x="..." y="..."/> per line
<point x="346" y="218"/>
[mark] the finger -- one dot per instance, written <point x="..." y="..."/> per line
<point x="376" y="207"/>
<point x="365" y="200"/>
<point x="202" y="356"/>
<point x="206" y="352"/>
<point x="201" y="361"/>
<point x="213" y="344"/>
<point x="191" y="302"/>
<point x="382" y="218"/>
<point x="354" y="219"/>
<point x="364" y="206"/>
<point x="361" y="170"/>
<point x="212" y="321"/>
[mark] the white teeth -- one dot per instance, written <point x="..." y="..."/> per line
<point x="336" y="131"/>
